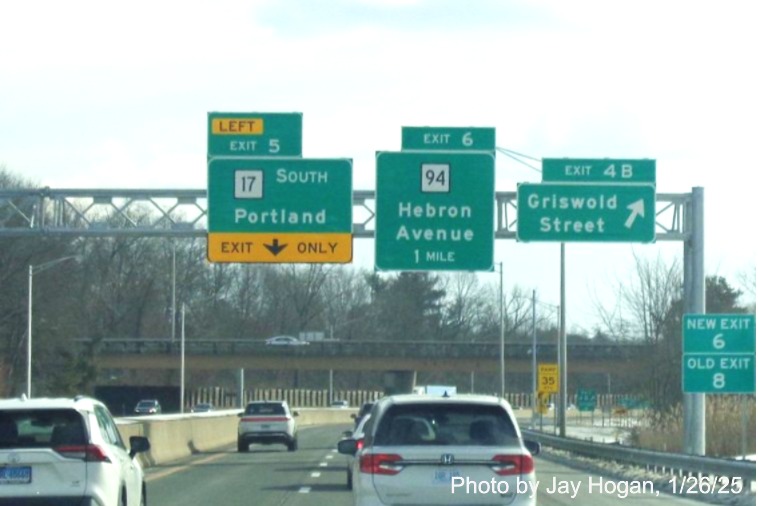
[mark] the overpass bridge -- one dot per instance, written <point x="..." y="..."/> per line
<point x="436" y="356"/>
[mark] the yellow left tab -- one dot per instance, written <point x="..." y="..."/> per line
<point x="237" y="126"/>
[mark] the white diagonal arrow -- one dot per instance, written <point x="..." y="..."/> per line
<point x="638" y="209"/>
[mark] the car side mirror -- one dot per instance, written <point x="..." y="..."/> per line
<point x="533" y="446"/>
<point x="241" y="414"/>
<point x="138" y="444"/>
<point x="296" y="413"/>
<point x="353" y="416"/>
<point x="347" y="433"/>
<point x="347" y="446"/>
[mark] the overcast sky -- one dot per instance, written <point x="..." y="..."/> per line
<point x="116" y="95"/>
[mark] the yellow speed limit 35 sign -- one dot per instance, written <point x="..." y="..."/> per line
<point x="547" y="379"/>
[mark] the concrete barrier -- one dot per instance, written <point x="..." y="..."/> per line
<point x="174" y="437"/>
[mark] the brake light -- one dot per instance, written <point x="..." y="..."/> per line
<point x="359" y="445"/>
<point x="381" y="463"/>
<point x="87" y="453"/>
<point x="508" y="465"/>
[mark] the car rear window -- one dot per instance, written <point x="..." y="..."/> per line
<point x="445" y="424"/>
<point x="271" y="408"/>
<point x="40" y="428"/>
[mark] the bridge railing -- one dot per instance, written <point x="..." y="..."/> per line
<point x="409" y="348"/>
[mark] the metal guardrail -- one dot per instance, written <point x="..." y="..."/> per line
<point x="675" y="462"/>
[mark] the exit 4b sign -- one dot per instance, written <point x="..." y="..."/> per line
<point x="586" y="212"/>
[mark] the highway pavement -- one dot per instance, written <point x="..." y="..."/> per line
<point x="315" y="475"/>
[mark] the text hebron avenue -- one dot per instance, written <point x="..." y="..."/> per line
<point x="435" y="211"/>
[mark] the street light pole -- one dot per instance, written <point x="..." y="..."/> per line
<point x="32" y="271"/>
<point x="29" y="336"/>
<point x="173" y="290"/>
<point x="502" y="336"/>
<point x="181" y="388"/>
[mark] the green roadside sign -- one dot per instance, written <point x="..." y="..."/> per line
<point x="718" y="353"/>
<point x="586" y="400"/>
<point x="585" y="213"/>
<point x="449" y="138"/>
<point x="435" y="211"/>
<point x="255" y="134"/>
<point x="598" y="170"/>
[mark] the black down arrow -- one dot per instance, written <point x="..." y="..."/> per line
<point x="275" y="249"/>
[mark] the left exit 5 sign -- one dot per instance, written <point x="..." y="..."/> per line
<point x="255" y="134"/>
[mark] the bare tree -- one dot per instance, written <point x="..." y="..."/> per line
<point x="345" y="296"/>
<point x="462" y="305"/>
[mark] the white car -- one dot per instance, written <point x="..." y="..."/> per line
<point x="285" y="341"/>
<point x="267" y="422"/>
<point x="67" y="452"/>
<point x="357" y="434"/>
<point x="424" y="449"/>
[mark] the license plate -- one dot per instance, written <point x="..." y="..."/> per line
<point x="265" y="426"/>
<point x="445" y="476"/>
<point x="15" y="475"/>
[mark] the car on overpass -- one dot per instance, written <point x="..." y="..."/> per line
<point x="285" y="341"/>
<point x="423" y="448"/>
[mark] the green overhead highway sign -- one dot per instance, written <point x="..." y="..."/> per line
<point x="586" y="213"/>
<point x="435" y="211"/>
<point x="280" y="210"/>
<point x="718" y="353"/>
<point x="449" y="138"/>
<point x="598" y="170"/>
<point x="255" y="134"/>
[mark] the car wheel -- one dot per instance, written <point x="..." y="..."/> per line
<point x="143" y="502"/>
<point x="242" y="446"/>
<point x="349" y="480"/>
<point x="122" y="498"/>
<point x="292" y="446"/>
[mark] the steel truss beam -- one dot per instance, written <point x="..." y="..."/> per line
<point x="183" y="213"/>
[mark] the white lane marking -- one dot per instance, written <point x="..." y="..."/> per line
<point x="323" y="464"/>
<point x="329" y="457"/>
<point x="334" y="450"/>
<point x="304" y="490"/>
<point x="315" y="475"/>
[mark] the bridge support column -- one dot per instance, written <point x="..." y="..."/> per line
<point x="398" y="382"/>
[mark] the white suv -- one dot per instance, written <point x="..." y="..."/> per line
<point x="267" y="422"/>
<point x="67" y="452"/>
<point x="424" y="449"/>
